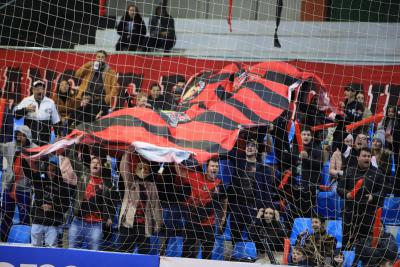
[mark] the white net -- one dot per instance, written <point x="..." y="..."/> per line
<point x="166" y="128"/>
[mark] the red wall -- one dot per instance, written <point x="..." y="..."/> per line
<point x="335" y="76"/>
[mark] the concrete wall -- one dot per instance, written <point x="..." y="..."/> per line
<point x="212" y="9"/>
<point x="253" y="40"/>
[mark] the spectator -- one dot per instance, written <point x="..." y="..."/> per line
<point x="206" y="201"/>
<point x="338" y="258"/>
<point x="64" y="99"/>
<point x="391" y="126"/>
<point x="360" y="97"/>
<point x="100" y="80"/>
<point x="39" y="113"/>
<point x="371" y="255"/>
<point x="173" y="89"/>
<point x="50" y="204"/>
<point x="7" y="128"/>
<point x="319" y="246"/>
<point x="352" y="109"/>
<point x="299" y="257"/>
<point x="16" y="184"/>
<point x="172" y="194"/>
<point x="336" y="165"/>
<point x="93" y="207"/>
<point x="381" y="157"/>
<point x="140" y="215"/>
<point x="142" y="101"/>
<point x="87" y="112"/>
<point x="162" y="30"/>
<point x="308" y="173"/>
<point x="363" y="188"/>
<point x="252" y="186"/>
<point x="268" y="232"/>
<point x="132" y="30"/>
<point x="157" y="100"/>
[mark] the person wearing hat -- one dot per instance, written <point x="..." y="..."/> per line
<point x="16" y="187"/>
<point x="39" y="113"/>
<point x="50" y="204"/>
<point x="352" y="109"/>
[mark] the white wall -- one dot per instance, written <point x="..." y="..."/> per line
<point x="212" y="9"/>
<point x="253" y="40"/>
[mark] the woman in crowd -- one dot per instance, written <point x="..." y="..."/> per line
<point x="64" y="98"/>
<point x="140" y="215"/>
<point x="132" y="30"/>
<point x="162" y="30"/>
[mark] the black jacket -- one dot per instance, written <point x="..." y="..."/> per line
<point x="271" y="234"/>
<point x="374" y="183"/>
<point x="130" y="40"/>
<point x="52" y="192"/>
<point x="386" y="250"/>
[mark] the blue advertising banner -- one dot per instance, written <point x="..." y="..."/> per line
<point x="17" y="256"/>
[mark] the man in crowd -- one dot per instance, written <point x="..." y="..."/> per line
<point x="309" y="167"/>
<point x="363" y="187"/>
<point x="16" y="184"/>
<point x="252" y="186"/>
<point x="384" y="250"/>
<point x="157" y="100"/>
<point x="51" y="202"/>
<point x="98" y="79"/>
<point x="207" y="200"/>
<point x="93" y="206"/>
<point x="39" y="113"/>
<point x="318" y="246"/>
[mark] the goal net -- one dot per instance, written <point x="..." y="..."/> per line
<point x="228" y="130"/>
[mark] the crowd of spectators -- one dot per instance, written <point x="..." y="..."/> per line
<point x="83" y="196"/>
<point x="132" y="31"/>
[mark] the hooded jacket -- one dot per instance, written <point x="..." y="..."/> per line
<point x="8" y="150"/>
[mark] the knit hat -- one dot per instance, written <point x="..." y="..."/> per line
<point x="380" y="136"/>
<point x="26" y="131"/>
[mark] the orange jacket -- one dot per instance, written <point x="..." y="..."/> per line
<point x="111" y="86"/>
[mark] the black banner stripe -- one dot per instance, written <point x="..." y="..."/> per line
<point x="268" y="95"/>
<point x="217" y="119"/>
<point x="280" y="78"/>
<point x="246" y="111"/>
<point x="162" y="131"/>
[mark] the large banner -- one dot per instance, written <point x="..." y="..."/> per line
<point x="16" y="256"/>
<point x="19" y="68"/>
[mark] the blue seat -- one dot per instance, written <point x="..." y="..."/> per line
<point x="391" y="211"/>
<point x="329" y="205"/>
<point x="20" y="234"/>
<point x="227" y="233"/>
<point x="348" y="258"/>
<point x="155" y="245"/>
<point x="16" y="219"/>
<point x="218" y="251"/>
<point x="334" y="228"/>
<point x="325" y="174"/>
<point x="245" y="251"/>
<point x="225" y="171"/>
<point x="398" y="241"/>
<point x="174" y="247"/>
<point x="299" y="225"/>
